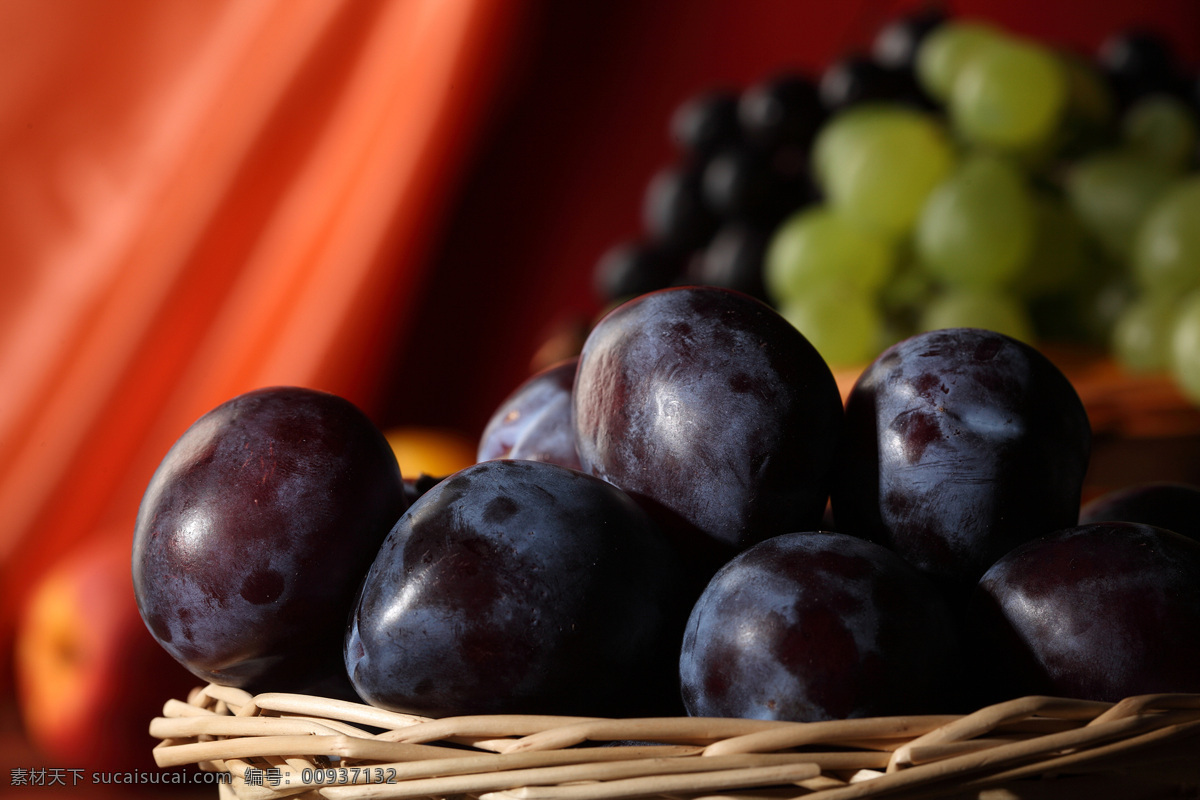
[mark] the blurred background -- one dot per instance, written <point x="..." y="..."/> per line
<point x="399" y="201"/>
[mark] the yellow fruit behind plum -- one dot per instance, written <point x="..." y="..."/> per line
<point x="430" y="451"/>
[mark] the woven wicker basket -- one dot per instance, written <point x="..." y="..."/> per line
<point x="288" y="745"/>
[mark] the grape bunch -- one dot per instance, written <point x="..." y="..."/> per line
<point x="957" y="174"/>
<point x="708" y="219"/>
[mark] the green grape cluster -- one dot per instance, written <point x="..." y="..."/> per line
<point x="1027" y="197"/>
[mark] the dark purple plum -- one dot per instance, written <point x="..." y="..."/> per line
<point x="254" y="534"/>
<point x="534" y="422"/>
<point x="520" y="587"/>
<point x="415" y="487"/>
<point x="1098" y="612"/>
<point x="712" y="411"/>
<point x="816" y="626"/>
<point x="1174" y="506"/>
<point x="960" y="444"/>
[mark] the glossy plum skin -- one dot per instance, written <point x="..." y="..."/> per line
<point x="960" y="444"/>
<point x="520" y="587"/>
<point x="1098" y="612"/>
<point x="1174" y="506"/>
<point x="534" y="422"/>
<point x="255" y="531"/>
<point x="816" y="626"/>
<point x="712" y="411"/>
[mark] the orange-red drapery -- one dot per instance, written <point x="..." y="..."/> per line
<point x="202" y="198"/>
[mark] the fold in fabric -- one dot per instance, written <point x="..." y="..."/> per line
<point x="201" y="199"/>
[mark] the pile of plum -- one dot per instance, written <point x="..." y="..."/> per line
<point x="685" y="518"/>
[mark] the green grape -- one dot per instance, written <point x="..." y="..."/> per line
<point x="1166" y="251"/>
<point x="1058" y="256"/>
<point x="877" y="164"/>
<point x="1161" y="127"/>
<point x="944" y="51"/>
<point x="977" y="227"/>
<point x="1141" y="333"/>
<point x="1185" y="347"/>
<point x="909" y="287"/>
<point x="1010" y="94"/>
<point x="978" y="308"/>
<point x="817" y="245"/>
<point x="843" y="323"/>
<point x="904" y="295"/>
<point x="842" y="135"/>
<point x="1111" y="191"/>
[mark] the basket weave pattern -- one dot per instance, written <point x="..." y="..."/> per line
<point x="1030" y="747"/>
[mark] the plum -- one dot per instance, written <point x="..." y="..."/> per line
<point x="816" y="626"/>
<point x="255" y="532"/>
<point x="959" y="445"/>
<point x="1174" y="506"/>
<point x="713" y="412"/>
<point x="534" y="421"/>
<point x="520" y="587"/>
<point x="1100" y="611"/>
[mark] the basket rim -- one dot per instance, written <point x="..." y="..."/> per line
<point x="277" y="745"/>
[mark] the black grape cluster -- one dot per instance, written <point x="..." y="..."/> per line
<point x="743" y="167"/>
<point x="1120" y="134"/>
<point x="707" y="218"/>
